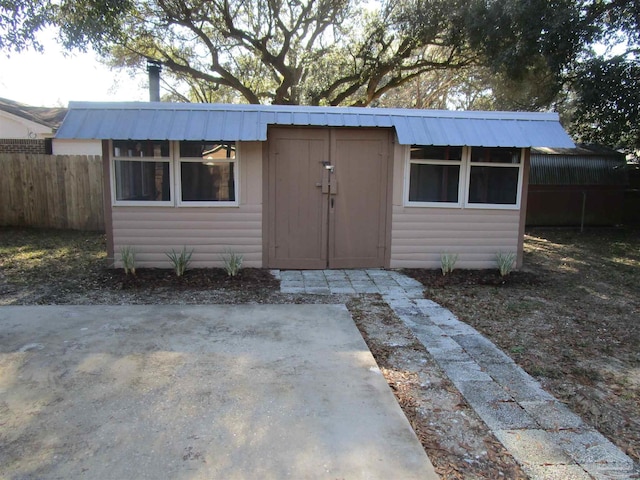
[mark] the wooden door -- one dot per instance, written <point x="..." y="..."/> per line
<point x="336" y="217"/>
<point x="297" y="213"/>
<point x="358" y="214"/>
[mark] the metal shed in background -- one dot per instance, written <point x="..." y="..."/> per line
<point x="576" y="186"/>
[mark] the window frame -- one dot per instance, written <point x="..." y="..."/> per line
<point x="206" y="203"/>
<point x="464" y="181"/>
<point x="407" y="178"/>
<point x="495" y="206"/>
<point x="140" y="203"/>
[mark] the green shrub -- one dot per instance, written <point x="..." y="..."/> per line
<point x="180" y="261"/>
<point x="232" y="263"/>
<point x="506" y="262"/>
<point x="128" y="256"/>
<point x="448" y="262"/>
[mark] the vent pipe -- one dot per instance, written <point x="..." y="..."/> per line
<point x="154" y="67"/>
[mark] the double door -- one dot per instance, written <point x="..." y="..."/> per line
<point x="328" y="198"/>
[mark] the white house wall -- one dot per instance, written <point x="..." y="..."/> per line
<point x="14" y="127"/>
<point x="76" y="147"/>
<point x="420" y="235"/>
<point x="210" y="232"/>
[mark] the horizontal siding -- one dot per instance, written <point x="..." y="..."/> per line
<point x="209" y="232"/>
<point x="421" y="235"/>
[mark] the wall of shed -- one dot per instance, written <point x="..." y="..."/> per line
<point x="209" y="231"/>
<point x="420" y="235"/>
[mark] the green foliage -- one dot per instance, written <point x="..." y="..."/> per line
<point x="180" y="261"/>
<point x="607" y="103"/>
<point x="128" y="257"/>
<point x="506" y="262"/>
<point x="448" y="262"/>
<point x="232" y="263"/>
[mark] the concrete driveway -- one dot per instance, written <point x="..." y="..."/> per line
<point x="188" y="392"/>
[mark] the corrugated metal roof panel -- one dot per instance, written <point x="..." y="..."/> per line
<point x="577" y="170"/>
<point x="175" y="121"/>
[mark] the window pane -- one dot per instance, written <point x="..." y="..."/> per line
<point x="493" y="185"/>
<point x="207" y="181"/>
<point x="434" y="183"/>
<point x="140" y="148"/>
<point x="420" y="152"/>
<point x="495" y="155"/>
<point x="142" y="181"/>
<point x="208" y="150"/>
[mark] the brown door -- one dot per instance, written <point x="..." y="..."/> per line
<point x="328" y="198"/>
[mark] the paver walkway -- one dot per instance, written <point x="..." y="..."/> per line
<point x="544" y="436"/>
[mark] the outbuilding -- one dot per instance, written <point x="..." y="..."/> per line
<point x="584" y="185"/>
<point x="313" y="187"/>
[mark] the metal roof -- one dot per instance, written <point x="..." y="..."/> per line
<point x="198" y="121"/>
<point x="578" y="166"/>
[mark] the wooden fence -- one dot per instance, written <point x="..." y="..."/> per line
<point x="54" y="191"/>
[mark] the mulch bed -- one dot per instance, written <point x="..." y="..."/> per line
<point x="195" y="279"/>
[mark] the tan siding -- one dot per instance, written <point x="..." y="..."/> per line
<point x="209" y="231"/>
<point x="420" y="235"/>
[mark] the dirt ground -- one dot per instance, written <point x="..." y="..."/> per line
<point x="570" y="318"/>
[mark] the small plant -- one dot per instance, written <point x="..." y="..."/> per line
<point x="128" y="256"/>
<point x="506" y="262"/>
<point x="232" y="263"/>
<point x="180" y="261"/>
<point x="448" y="262"/>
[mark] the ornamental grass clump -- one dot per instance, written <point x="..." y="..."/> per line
<point x="128" y="257"/>
<point x="448" y="262"/>
<point x="506" y="262"/>
<point x="180" y="261"/>
<point x="232" y="263"/>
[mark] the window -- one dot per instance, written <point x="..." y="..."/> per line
<point x="494" y="176"/>
<point x="470" y="177"/>
<point x="207" y="174"/>
<point x="141" y="172"/>
<point x="434" y="175"/>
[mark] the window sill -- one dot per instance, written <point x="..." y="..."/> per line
<point x="141" y="203"/>
<point x="492" y="206"/>
<point x="433" y="205"/>
<point x="207" y="204"/>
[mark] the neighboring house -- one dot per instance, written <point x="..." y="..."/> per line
<point x="584" y="185"/>
<point x="313" y="187"/>
<point x="27" y="129"/>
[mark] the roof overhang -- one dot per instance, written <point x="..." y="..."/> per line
<point x="224" y="122"/>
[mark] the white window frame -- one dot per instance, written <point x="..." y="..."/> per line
<point x="495" y="206"/>
<point x="211" y="203"/>
<point x="140" y="203"/>
<point x="407" y="179"/>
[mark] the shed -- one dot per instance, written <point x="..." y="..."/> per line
<point x="313" y="187"/>
<point x="575" y="186"/>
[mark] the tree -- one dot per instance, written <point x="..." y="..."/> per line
<point x="303" y="51"/>
<point x="607" y="103"/>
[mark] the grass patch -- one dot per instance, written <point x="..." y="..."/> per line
<point x="31" y="256"/>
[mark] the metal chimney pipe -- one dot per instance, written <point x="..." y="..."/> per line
<point x="154" y="67"/>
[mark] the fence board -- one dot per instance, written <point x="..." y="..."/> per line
<point x="53" y="191"/>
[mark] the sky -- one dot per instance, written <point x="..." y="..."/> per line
<point x="51" y="79"/>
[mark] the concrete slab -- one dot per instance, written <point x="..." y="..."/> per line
<point x="557" y="472"/>
<point x="481" y="349"/>
<point x="238" y="391"/>
<point x="552" y="415"/>
<point x="536" y="447"/>
<point x="516" y="382"/>
<point x="497" y="409"/>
